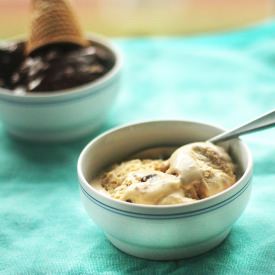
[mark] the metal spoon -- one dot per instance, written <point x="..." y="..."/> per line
<point x="265" y="121"/>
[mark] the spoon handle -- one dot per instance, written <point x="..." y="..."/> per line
<point x="265" y="121"/>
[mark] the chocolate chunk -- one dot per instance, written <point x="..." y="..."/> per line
<point x="145" y="178"/>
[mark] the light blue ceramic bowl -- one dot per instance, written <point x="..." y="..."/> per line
<point x="65" y="114"/>
<point x="162" y="232"/>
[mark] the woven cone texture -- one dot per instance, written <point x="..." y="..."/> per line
<point x="53" y="21"/>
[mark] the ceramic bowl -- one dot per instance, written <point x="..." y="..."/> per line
<point x="64" y="114"/>
<point x="162" y="232"/>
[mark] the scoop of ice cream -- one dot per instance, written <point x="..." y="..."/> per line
<point x="59" y="67"/>
<point x="116" y="175"/>
<point x="203" y="168"/>
<point x="151" y="187"/>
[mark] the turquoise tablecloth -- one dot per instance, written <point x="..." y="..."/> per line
<point x="224" y="79"/>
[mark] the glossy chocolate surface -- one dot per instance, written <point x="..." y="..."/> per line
<point x="52" y="68"/>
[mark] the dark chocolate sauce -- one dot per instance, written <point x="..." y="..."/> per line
<point x="52" y="68"/>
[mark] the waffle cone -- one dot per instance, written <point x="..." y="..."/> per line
<point x="53" y="21"/>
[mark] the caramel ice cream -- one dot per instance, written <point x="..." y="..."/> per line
<point x="204" y="169"/>
<point x="193" y="172"/>
<point x="151" y="187"/>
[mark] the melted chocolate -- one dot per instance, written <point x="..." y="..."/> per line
<point x="55" y="67"/>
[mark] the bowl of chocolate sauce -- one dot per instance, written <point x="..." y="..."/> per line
<point x="60" y="91"/>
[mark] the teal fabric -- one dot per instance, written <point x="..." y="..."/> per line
<point x="225" y="79"/>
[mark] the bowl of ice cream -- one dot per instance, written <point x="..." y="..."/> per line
<point x="157" y="196"/>
<point x="61" y="93"/>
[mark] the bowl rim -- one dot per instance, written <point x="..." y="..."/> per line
<point x="84" y="184"/>
<point x="101" y="40"/>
